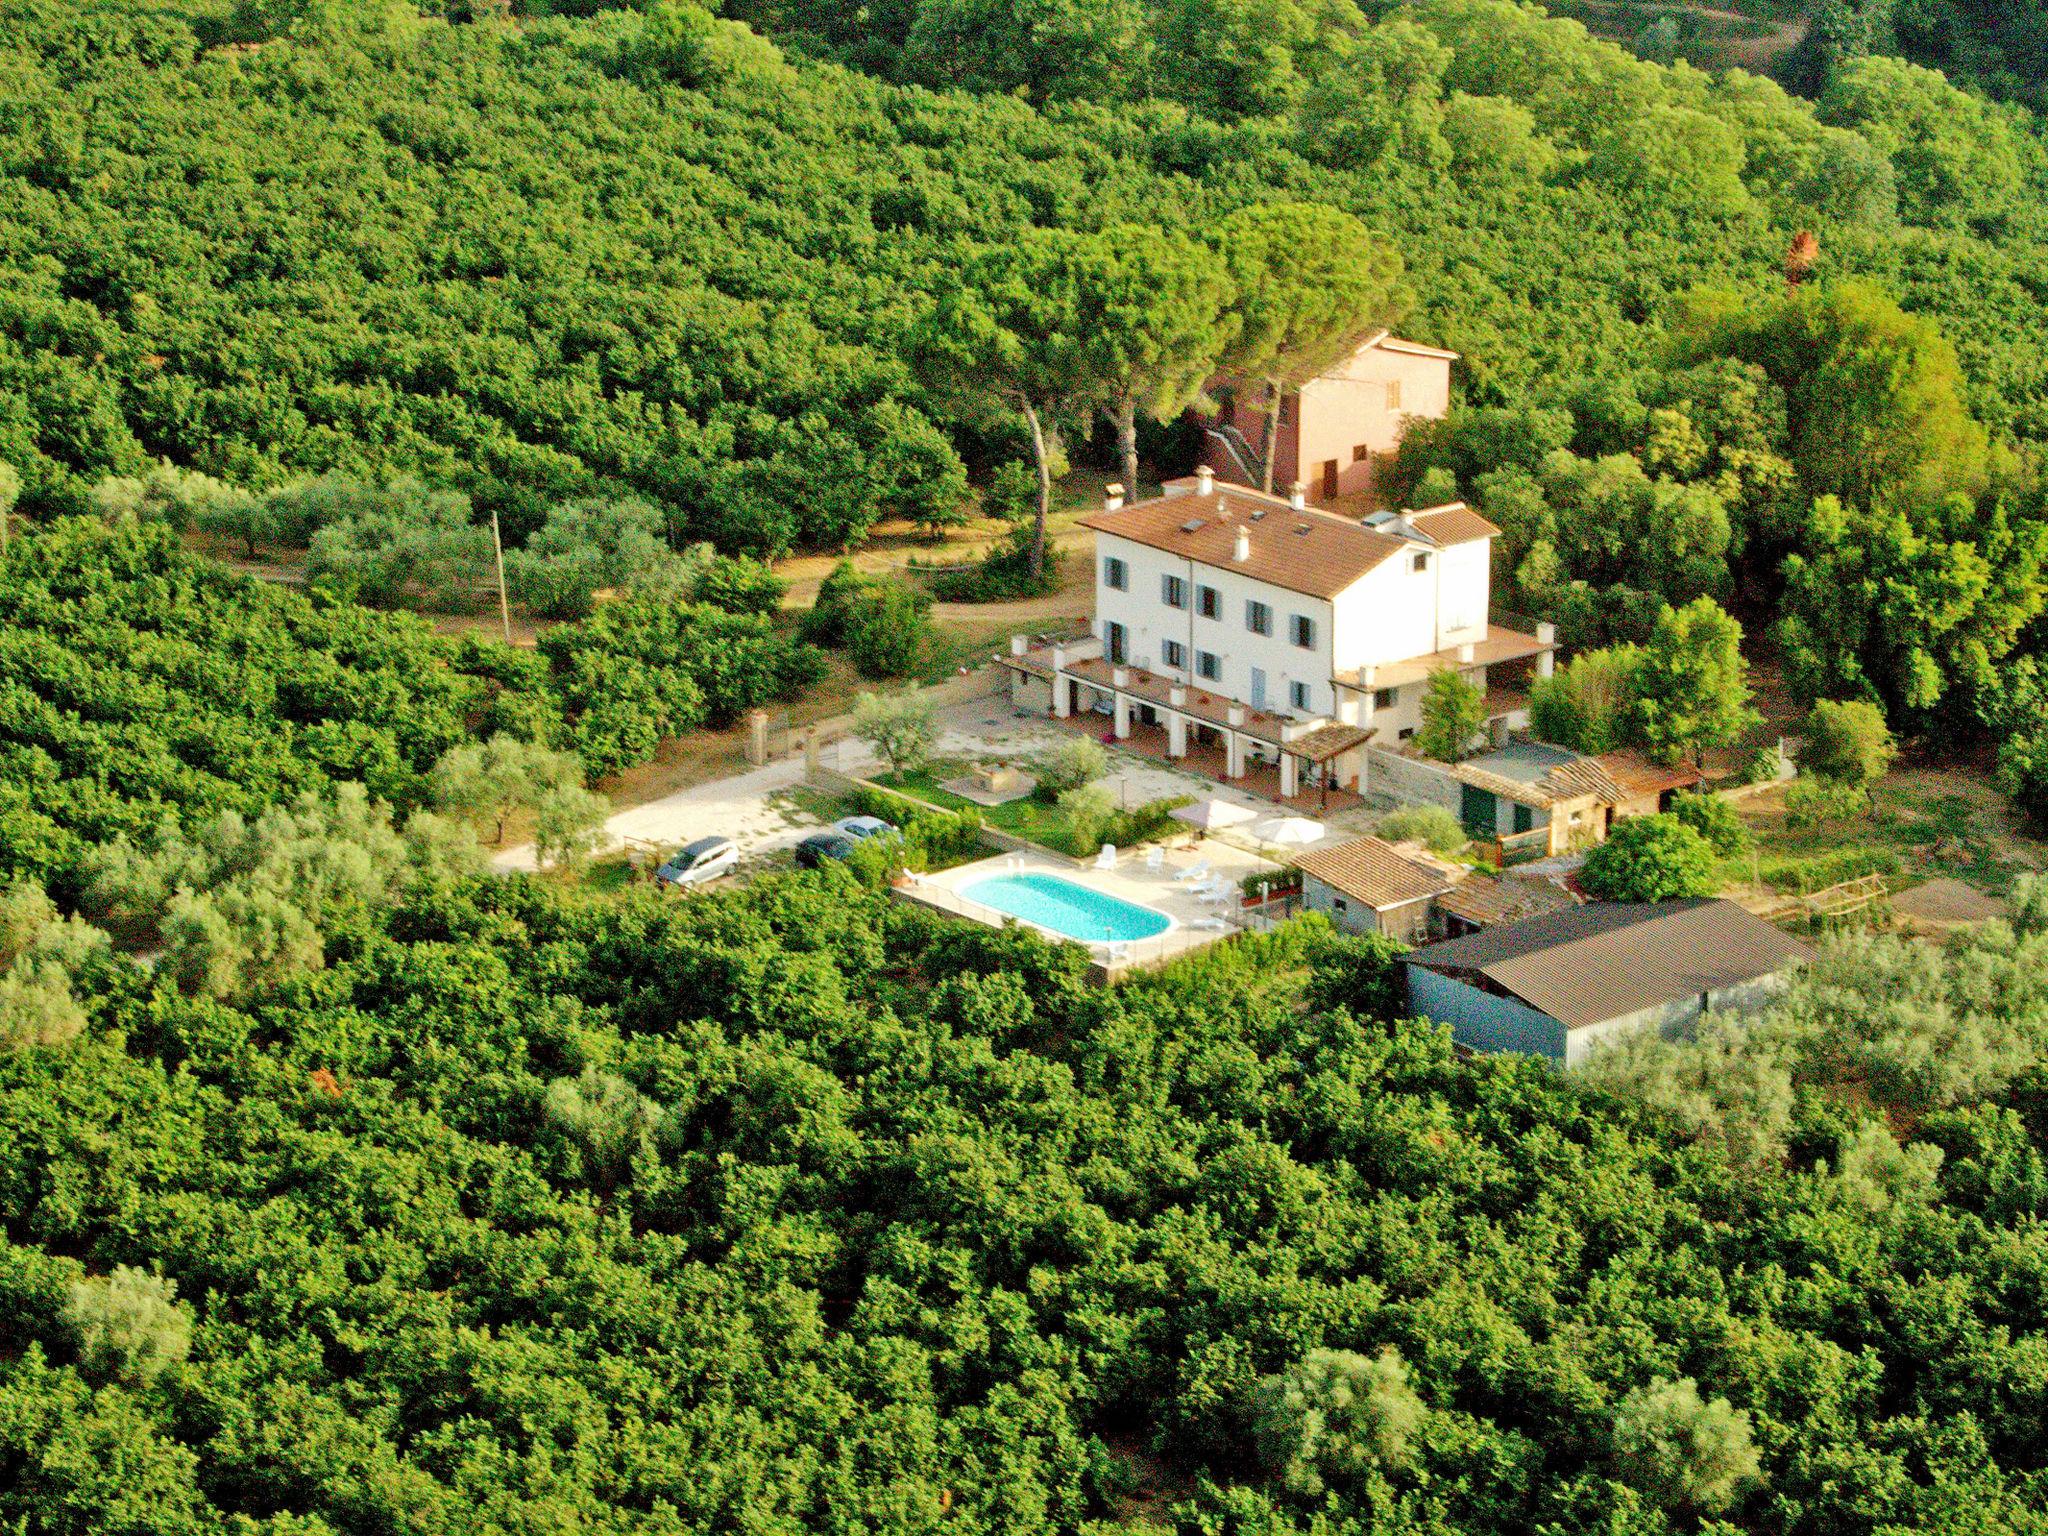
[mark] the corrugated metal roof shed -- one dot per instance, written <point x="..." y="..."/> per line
<point x="1584" y="965"/>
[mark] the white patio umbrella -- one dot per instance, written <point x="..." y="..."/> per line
<point x="1289" y="831"/>
<point x="1209" y="815"/>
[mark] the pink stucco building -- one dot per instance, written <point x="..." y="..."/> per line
<point x="1335" y="425"/>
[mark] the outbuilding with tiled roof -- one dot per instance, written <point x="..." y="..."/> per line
<point x="1370" y="886"/>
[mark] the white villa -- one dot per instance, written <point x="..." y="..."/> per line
<point x="1242" y="629"/>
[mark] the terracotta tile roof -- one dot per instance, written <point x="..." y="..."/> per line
<point x="1454" y="523"/>
<point x="1490" y="899"/>
<point x="1396" y="344"/>
<point x="1584" y="965"/>
<point x="1316" y="553"/>
<point x="1567" y="781"/>
<point x="1374" y="873"/>
<point x="1637" y="775"/>
<point x="1328" y="741"/>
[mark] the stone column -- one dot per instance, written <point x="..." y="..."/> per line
<point x="1123" y="716"/>
<point x="1233" y="755"/>
<point x="1176" y="735"/>
<point x="1062" y="693"/>
<point x="1290" y="780"/>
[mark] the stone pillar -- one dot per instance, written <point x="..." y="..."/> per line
<point x="1123" y="716"/>
<point x="757" y="737"/>
<point x="1290" y="780"/>
<point x="1547" y="660"/>
<point x="1062" y="691"/>
<point x="1019" y="644"/>
<point x="1176" y="735"/>
<point x="1233" y="755"/>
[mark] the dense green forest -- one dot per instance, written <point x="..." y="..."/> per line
<point x="799" y="1210"/>
<point x="534" y="258"/>
<point x="346" y="1193"/>
<point x="139" y="681"/>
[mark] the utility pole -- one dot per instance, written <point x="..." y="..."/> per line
<point x="498" y="552"/>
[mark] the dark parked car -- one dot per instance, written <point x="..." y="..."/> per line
<point x="820" y="846"/>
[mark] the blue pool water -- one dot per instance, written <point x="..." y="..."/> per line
<point x="1075" y="910"/>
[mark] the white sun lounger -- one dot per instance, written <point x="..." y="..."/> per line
<point x="1194" y="874"/>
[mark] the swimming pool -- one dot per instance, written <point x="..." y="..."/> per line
<point x="1078" y="911"/>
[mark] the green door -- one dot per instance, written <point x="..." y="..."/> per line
<point x="1479" y="811"/>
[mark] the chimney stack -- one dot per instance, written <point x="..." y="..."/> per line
<point x="1019" y="644"/>
<point x="1297" y="496"/>
<point x="1112" y="496"/>
<point x="1205" y="481"/>
<point x="1242" y="550"/>
<point x="1465" y="651"/>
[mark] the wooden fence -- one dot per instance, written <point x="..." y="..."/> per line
<point x="1828" y="903"/>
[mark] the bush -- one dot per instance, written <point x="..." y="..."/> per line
<point x="1274" y="882"/>
<point x="1335" y="1415"/>
<point x="1650" y="858"/>
<point x="900" y="726"/>
<point x="605" y="1117"/>
<point x="739" y="584"/>
<point x="1145" y="823"/>
<point x="867" y="800"/>
<point x="178" y="498"/>
<point x="128" y="1326"/>
<point x="1847" y="742"/>
<point x="1682" y="1451"/>
<point x="935" y="839"/>
<point x="1714" y="818"/>
<point x="1086" y="810"/>
<point x="1589" y="703"/>
<point x="1453" y="715"/>
<point x="1763" y="765"/>
<point x="888" y="630"/>
<point x="826" y="622"/>
<point x="1811" y="802"/>
<point x="1359" y="973"/>
<point x="398" y="544"/>
<point x="1080" y="760"/>
<point x="1813" y="872"/>
<point x="587" y="546"/>
<point x="924" y="839"/>
<point x="1436" y="828"/>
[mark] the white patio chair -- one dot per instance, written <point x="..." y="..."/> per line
<point x="1107" y="858"/>
<point x="1155" y="859"/>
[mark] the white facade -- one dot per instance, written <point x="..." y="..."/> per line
<point x="1270" y="632"/>
<point x="1424" y="598"/>
<point x="1260" y="671"/>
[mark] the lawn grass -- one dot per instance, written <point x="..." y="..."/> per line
<point x="1029" y="817"/>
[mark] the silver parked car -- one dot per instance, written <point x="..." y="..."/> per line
<point x="705" y="859"/>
